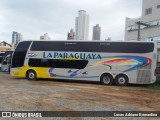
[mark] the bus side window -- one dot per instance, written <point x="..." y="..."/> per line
<point x="5" y="61"/>
<point x="44" y="63"/>
<point x="8" y="59"/>
<point x="71" y="64"/>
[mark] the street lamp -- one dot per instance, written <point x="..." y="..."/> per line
<point x="139" y="23"/>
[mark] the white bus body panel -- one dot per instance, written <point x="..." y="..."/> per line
<point x="95" y="69"/>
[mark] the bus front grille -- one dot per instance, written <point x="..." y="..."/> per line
<point x="143" y="77"/>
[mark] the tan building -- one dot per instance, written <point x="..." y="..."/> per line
<point x="5" y="46"/>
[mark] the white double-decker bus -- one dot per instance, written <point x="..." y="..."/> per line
<point x="107" y="62"/>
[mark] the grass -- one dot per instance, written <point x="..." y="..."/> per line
<point x="156" y="85"/>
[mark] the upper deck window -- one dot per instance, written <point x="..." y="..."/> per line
<point x="112" y="47"/>
<point x="148" y="11"/>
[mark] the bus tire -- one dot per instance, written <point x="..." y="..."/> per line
<point x="121" y="80"/>
<point x="106" y="79"/>
<point x="31" y="75"/>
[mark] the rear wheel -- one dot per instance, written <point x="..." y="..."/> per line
<point x="106" y="79"/>
<point x="31" y="75"/>
<point x="121" y="80"/>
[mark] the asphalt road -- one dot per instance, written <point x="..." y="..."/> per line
<point x="61" y="95"/>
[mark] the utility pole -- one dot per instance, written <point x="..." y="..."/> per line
<point x="139" y="32"/>
<point x="139" y="23"/>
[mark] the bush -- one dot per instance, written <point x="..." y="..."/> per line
<point x="156" y="85"/>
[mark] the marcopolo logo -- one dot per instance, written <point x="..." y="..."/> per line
<point x="81" y="56"/>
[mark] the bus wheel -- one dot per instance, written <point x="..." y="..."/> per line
<point x="31" y="75"/>
<point x="106" y="79"/>
<point x="121" y="80"/>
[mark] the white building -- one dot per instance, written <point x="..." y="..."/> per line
<point x="82" y="26"/>
<point x="150" y="16"/>
<point x="45" y="37"/>
<point x="96" y="32"/>
<point x="16" y="37"/>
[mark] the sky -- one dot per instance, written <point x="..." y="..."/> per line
<point x="33" y="18"/>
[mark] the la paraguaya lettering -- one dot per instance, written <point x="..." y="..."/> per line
<point x="84" y="56"/>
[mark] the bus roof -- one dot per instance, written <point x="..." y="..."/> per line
<point x="133" y="41"/>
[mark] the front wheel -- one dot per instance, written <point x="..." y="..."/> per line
<point x="31" y="75"/>
<point x="106" y="79"/>
<point x="121" y="80"/>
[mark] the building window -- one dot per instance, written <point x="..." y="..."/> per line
<point x="129" y="28"/>
<point x="158" y="6"/>
<point x="148" y="11"/>
<point x="156" y="39"/>
<point x="152" y="24"/>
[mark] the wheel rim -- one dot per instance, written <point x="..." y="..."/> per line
<point x="121" y="80"/>
<point x="31" y="75"/>
<point x="106" y="80"/>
